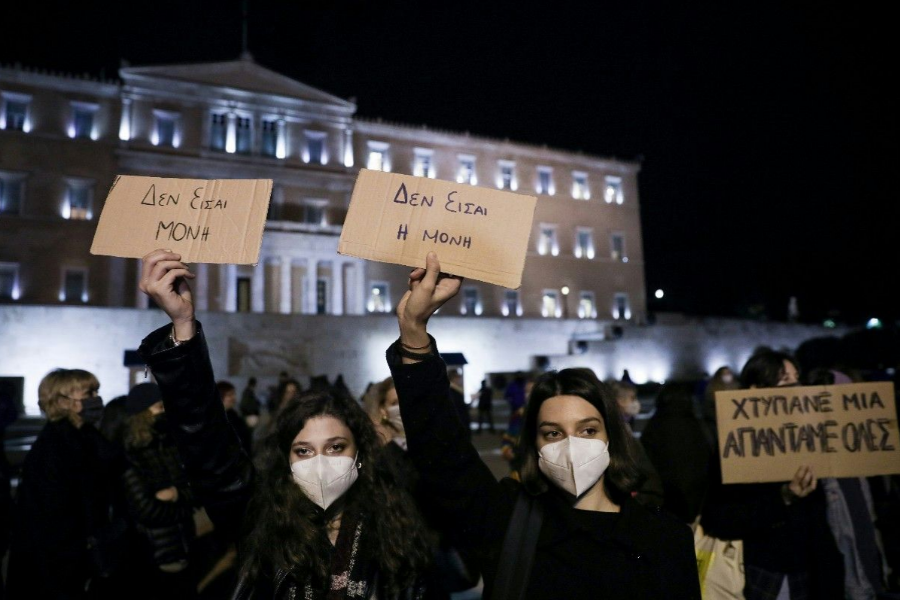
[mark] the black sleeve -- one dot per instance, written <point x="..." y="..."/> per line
<point x="143" y="506"/>
<point x="473" y="503"/>
<point x="683" y="577"/>
<point x="219" y="471"/>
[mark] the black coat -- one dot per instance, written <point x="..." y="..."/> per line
<point x="220" y="472"/>
<point x="62" y="498"/>
<point x="635" y="554"/>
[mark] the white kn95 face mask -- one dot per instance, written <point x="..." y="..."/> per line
<point x="324" y="479"/>
<point x="574" y="464"/>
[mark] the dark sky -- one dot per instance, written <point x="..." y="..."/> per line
<point x="767" y="131"/>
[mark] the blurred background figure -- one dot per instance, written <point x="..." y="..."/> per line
<point x="158" y="496"/>
<point x="485" y="398"/>
<point x="674" y="441"/>
<point x="250" y="405"/>
<point x="63" y="499"/>
<point x="228" y="393"/>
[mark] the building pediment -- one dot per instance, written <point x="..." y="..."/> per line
<point x="244" y="75"/>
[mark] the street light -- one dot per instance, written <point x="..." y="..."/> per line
<point x="659" y="294"/>
<point x="565" y="301"/>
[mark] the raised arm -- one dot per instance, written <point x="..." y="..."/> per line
<point x="219" y="471"/>
<point x="458" y="484"/>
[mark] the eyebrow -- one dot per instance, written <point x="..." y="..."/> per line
<point x="328" y="441"/>
<point x="581" y="422"/>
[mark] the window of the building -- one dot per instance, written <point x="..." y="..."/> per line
<point x="74" y="286"/>
<point x="269" y="137"/>
<point x="550" y="305"/>
<point x="378" y="157"/>
<point x="379" y="297"/>
<point x="166" y="131"/>
<point x="321" y="296"/>
<point x="315" y="148"/>
<point x="9" y="281"/>
<point x="423" y="163"/>
<point x="545" y="181"/>
<point x="617" y="247"/>
<point x="14" y="115"/>
<point x="584" y="243"/>
<point x="621" y="310"/>
<point x="244" y="293"/>
<point x="82" y="126"/>
<point x="580" y="189"/>
<point x="471" y="301"/>
<point x="79" y="200"/>
<point x="314" y="212"/>
<point x="12" y="188"/>
<point x="507" y="179"/>
<point x="244" y="134"/>
<point x="466" y="172"/>
<point x="511" y="306"/>
<point x="613" y="190"/>
<point x="547" y="241"/>
<point x="587" y="305"/>
<point x="218" y="132"/>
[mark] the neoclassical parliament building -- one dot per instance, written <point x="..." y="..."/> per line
<point x="63" y="139"/>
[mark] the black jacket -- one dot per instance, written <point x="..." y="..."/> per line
<point x="634" y="554"/>
<point x="220" y="472"/>
<point x="63" y="497"/>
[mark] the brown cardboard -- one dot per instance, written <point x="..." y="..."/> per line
<point x="206" y="221"/>
<point x="853" y="428"/>
<point x="476" y="232"/>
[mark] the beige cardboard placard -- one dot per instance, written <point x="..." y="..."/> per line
<point x="476" y="232"/>
<point x="204" y="220"/>
<point x="847" y="430"/>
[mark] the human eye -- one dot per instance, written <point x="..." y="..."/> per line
<point x="303" y="451"/>
<point x="589" y="432"/>
<point x="551" y="434"/>
<point x="336" y="448"/>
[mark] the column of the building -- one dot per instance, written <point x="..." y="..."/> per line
<point x="258" y="287"/>
<point x="125" y="121"/>
<point x="228" y="287"/>
<point x="231" y="134"/>
<point x="281" y="141"/>
<point x="348" y="147"/>
<point x="285" y="307"/>
<point x="201" y="286"/>
<point x="337" y="287"/>
<point x="116" y="286"/>
<point x="141" y="299"/>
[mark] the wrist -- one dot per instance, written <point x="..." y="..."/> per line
<point x="413" y="334"/>
<point x="183" y="330"/>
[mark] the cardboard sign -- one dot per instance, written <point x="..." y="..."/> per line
<point x="476" y="232"/>
<point x="839" y="430"/>
<point x="206" y="221"/>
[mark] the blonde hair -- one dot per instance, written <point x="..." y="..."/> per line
<point x="373" y="401"/>
<point x="139" y="432"/>
<point x="61" y="384"/>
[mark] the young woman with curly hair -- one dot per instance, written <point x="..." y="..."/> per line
<point x="570" y="527"/>
<point x="316" y="516"/>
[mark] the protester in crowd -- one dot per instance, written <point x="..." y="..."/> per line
<point x="158" y="495"/>
<point x="515" y="395"/>
<point x="323" y="519"/>
<point x="722" y="380"/>
<point x="250" y="405"/>
<point x="485" y="398"/>
<point x="228" y="394"/>
<point x="789" y="551"/>
<point x="627" y="400"/>
<point x="451" y="573"/>
<point x="62" y="501"/>
<point x="674" y="441"/>
<point x="458" y="399"/>
<point x="9" y="413"/>
<point x="288" y="391"/>
<point x="572" y="518"/>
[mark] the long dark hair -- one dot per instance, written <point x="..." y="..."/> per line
<point x="286" y="530"/>
<point x="622" y="476"/>
<point x="765" y="369"/>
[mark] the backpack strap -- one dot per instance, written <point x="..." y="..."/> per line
<point x="517" y="554"/>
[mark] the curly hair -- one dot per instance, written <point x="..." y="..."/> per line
<point x="287" y="529"/>
<point x="60" y="384"/>
<point x="622" y="476"/>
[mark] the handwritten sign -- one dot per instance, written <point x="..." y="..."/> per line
<point x="840" y="430"/>
<point x="206" y="221"/>
<point x="476" y="232"/>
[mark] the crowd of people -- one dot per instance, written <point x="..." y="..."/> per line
<point x="185" y="489"/>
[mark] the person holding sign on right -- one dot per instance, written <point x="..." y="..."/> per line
<point x="789" y="552"/>
<point x="570" y="527"/>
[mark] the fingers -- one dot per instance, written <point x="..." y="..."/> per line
<point x="169" y="279"/>
<point x="150" y="263"/>
<point x="432" y="269"/>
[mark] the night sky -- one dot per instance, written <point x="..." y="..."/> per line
<point x="767" y="132"/>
